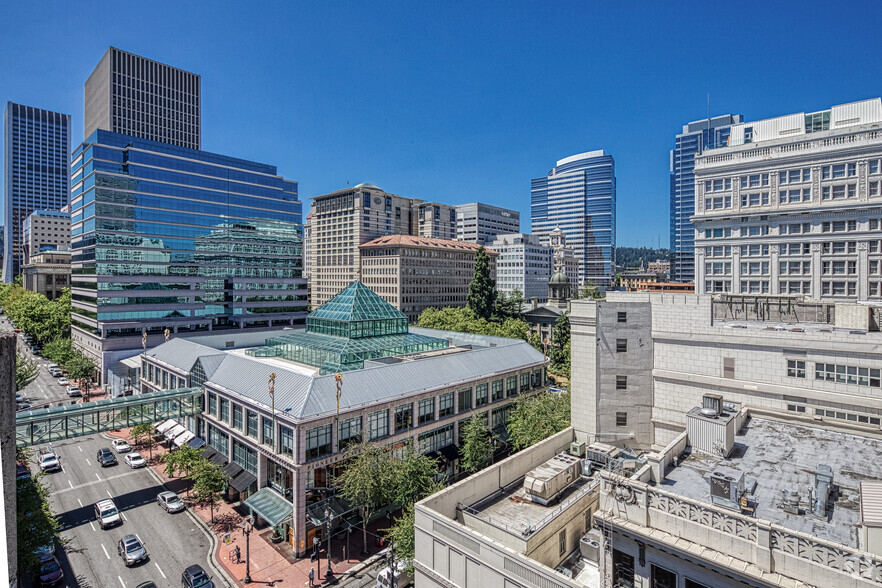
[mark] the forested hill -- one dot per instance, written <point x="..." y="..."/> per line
<point x="633" y="256"/>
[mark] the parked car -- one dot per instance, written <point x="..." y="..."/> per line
<point x="147" y="584"/>
<point x="121" y="445"/>
<point x="195" y="577"/>
<point x="50" y="571"/>
<point x="105" y="457"/>
<point x="22" y="471"/>
<point x="106" y="514"/>
<point x="22" y="406"/>
<point x="170" y="501"/>
<point x="48" y="549"/>
<point x="74" y="391"/>
<point x="134" y="460"/>
<point x="55" y="372"/>
<point x="63" y="381"/>
<point x="19" y="397"/>
<point x="49" y="461"/>
<point x="37" y="350"/>
<point x="132" y="550"/>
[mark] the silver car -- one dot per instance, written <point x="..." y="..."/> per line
<point x="132" y="550"/>
<point x="170" y="501"/>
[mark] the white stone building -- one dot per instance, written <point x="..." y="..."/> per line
<point x="793" y="205"/>
<point x="524" y="264"/>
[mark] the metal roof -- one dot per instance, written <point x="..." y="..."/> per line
<point x="871" y="503"/>
<point x="181" y="353"/>
<point x="356" y="302"/>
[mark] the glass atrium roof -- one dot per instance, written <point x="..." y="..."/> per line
<point x="342" y="333"/>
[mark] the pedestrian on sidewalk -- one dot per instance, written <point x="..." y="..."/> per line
<point x="236" y="553"/>
<point x="311" y="578"/>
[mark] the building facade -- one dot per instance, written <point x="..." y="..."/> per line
<point x="436" y="221"/>
<point x="415" y="273"/>
<point x="47" y="273"/>
<point x="172" y="238"/>
<point x="344" y="220"/>
<point x="45" y="230"/>
<point x="659" y="266"/>
<point x="481" y="223"/>
<point x="395" y="395"/>
<point x="633" y="281"/>
<point x="565" y="260"/>
<point x="578" y="196"/>
<point x="524" y="264"/>
<point x="36" y="172"/>
<point x="135" y="96"/>
<point x="794" y="206"/>
<point x="696" y="137"/>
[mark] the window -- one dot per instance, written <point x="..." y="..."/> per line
<point x="445" y="404"/>
<point x="348" y="432"/>
<point x="525" y="381"/>
<point x="621" y="345"/>
<point x="378" y="424"/>
<point x="729" y="367"/>
<point x="268" y="431"/>
<point x="562" y="542"/>
<point x="511" y="386"/>
<point x="212" y="404"/>
<point x="245" y="456"/>
<point x="848" y="374"/>
<point x="218" y="440"/>
<point x="251" y="417"/>
<point x="622" y="317"/>
<point x="426" y="411"/>
<point x="225" y="410"/>
<point x="465" y="400"/>
<point x="481" y="395"/>
<point x="318" y="441"/>
<point x="403" y="417"/>
<point x="164" y="380"/>
<point x="662" y="578"/>
<point x="621" y="382"/>
<point x="237" y="417"/>
<point x="623" y="569"/>
<point x="497" y="391"/>
<point x="286" y="440"/>
<point x="621" y="419"/>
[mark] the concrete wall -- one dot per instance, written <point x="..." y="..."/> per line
<point x="8" y="542"/>
<point x="584" y="375"/>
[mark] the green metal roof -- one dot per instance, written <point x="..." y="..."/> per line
<point x="270" y="506"/>
<point x="356" y="302"/>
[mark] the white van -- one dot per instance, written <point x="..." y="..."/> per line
<point x="107" y="514"/>
<point x="402" y="578"/>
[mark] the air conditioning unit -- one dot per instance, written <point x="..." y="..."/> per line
<point x="577" y="449"/>
<point x="590" y="544"/>
<point x="727" y="484"/>
<point x="714" y="402"/>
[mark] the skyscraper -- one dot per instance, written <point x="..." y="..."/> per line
<point x="480" y="223"/>
<point x="36" y="156"/>
<point x="697" y="136"/>
<point x="139" y="97"/>
<point x="579" y="196"/>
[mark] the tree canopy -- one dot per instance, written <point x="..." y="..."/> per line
<point x="477" y="444"/>
<point x="538" y="417"/>
<point x="559" y="347"/>
<point x="464" y="320"/>
<point x="26" y="371"/>
<point x="482" y="289"/>
<point x="36" y="525"/>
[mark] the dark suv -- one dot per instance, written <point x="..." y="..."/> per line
<point x="106" y="457"/>
<point x="195" y="577"/>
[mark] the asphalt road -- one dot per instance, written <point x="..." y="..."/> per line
<point x="90" y="558"/>
<point x="45" y="389"/>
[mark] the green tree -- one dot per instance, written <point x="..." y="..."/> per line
<point x="464" y="320"/>
<point x="538" y="417"/>
<point x="510" y="305"/>
<point x="413" y="476"/>
<point x="182" y="461"/>
<point x="482" y="289"/>
<point x="35" y="523"/>
<point x="79" y="366"/>
<point x="26" y="371"/>
<point x="143" y="435"/>
<point x="477" y="444"/>
<point x="590" y="290"/>
<point x="402" y="535"/>
<point x="209" y="483"/>
<point x="559" y="347"/>
<point x="59" y="350"/>
<point x="368" y="480"/>
<point x="535" y="340"/>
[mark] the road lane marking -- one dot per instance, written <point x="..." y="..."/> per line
<point x="80" y="448"/>
<point x="81" y="502"/>
<point x="91" y="525"/>
<point x="71" y="484"/>
<point x="121" y="582"/>
<point x="98" y="481"/>
<point x="105" y="551"/>
<point x="97" y="476"/>
<point x="109" y="494"/>
<point x="88" y="462"/>
<point x="160" y="570"/>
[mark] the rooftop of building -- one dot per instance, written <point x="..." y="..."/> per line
<point x="580" y="156"/>
<point x="50" y="213"/>
<point x="425" y="243"/>
<point x="779" y="457"/>
<point x="112" y="48"/>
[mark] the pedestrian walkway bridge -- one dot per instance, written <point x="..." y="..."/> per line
<point x="63" y="422"/>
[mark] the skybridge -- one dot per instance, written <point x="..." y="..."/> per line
<point x="45" y="425"/>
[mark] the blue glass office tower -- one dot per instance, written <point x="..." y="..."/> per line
<point x="697" y="136"/>
<point x="579" y="196"/>
<point x="36" y="155"/>
<point x="167" y="237"/>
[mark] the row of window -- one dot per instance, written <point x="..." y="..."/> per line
<point x="842" y="374"/>
<point x="162" y="378"/>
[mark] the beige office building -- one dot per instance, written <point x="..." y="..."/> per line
<point x="415" y="273"/>
<point x="48" y="273"/>
<point x="436" y="220"/>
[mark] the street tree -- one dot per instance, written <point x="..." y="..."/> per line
<point x="142" y="435"/>
<point x="209" y="483"/>
<point x="477" y="444"/>
<point x="79" y="366"/>
<point x="26" y="371"/>
<point x="59" y="350"/>
<point x="538" y="417"/>
<point x="182" y="461"/>
<point x="413" y="476"/>
<point x="402" y="535"/>
<point x="482" y="289"/>
<point x="368" y="480"/>
<point x="35" y="524"/>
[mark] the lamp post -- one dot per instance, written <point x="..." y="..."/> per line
<point x="329" y="571"/>
<point x="247" y="527"/>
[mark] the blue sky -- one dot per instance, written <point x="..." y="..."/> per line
<point x="460" y="101"/>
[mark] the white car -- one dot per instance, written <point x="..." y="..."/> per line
<point x="135" y="460"/>
<point x="63" y="381"/>
<point x="106" y="514"/>
<point x="74" y="391"/>
<point x="49" y="462"/>
<point x="121" y="446"/>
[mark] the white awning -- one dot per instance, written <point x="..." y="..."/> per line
<point x="184" y="438"/>
<point x="166" y="426"/>
<point x="132" y="362"/>
<point x="174" y="431"/>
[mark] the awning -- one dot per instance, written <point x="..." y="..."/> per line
<point x="450" y="452"/>
<point x="338" y="506"/>
<point x="162" y="428"/>
<point x="209" y="452"/>
<point x="183" y="438"/>
<point x="174" y="432"/>
<point x="196" y="443"/>
<point x="270" y="506"/>
<point x="243" y="481"/>
<point x="233" y="469"/>
<point x="218" y="459"/>
<point x="132" y="362"/>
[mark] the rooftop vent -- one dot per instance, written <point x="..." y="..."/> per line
<point x="713" y="404"/>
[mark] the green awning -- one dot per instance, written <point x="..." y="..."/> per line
<point x="270" y="506"/>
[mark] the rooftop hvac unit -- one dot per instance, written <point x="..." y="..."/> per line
<point x="589" y="545"/>
<point x="601" y="453"/>
<point x="577" y="449"/>
<point x="713" y="402"/>
<point x="726" y="484"/>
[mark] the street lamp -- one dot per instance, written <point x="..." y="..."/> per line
<point x="247" y="527"/>
<point x="330" y="571"/>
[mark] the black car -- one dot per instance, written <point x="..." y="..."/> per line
<point x="195" y="577"/>
<point x="106" y="457"/>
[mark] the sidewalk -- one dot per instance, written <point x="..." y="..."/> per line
<point x="271" y="563"/>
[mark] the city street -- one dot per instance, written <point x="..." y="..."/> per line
<point x="90" y="558"/>
<point x="45" y="389"/>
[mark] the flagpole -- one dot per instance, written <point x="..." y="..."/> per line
<point x="272" y="389"/>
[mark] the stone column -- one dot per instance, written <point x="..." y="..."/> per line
<point x="816" y="270"/>
<point x="700" y="274"/>
<point x="774" y="274"/>
<point x="736" y="270"/>
<point x="298" y="523"/>
<point x="863" y="271"/>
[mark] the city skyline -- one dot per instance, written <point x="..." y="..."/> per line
<point x="447" y="108"/>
